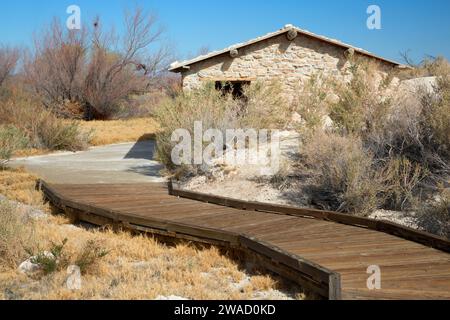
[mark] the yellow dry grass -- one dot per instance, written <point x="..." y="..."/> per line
<point x="108" y="132"/>
<point x="136" y="266"/>
<point x="31" y="152"/>
<point x="19" y="185"/>
<point x="118" y="131"/>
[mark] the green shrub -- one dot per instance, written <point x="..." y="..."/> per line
<point x="89" y="256"/>
<point x="56" y="134"/>
<point x="264" y="106"/>
<point x="342" y="173"/>
<point x="363" y="103"/>
<point x="312" y="102"/>
<point x="50" y="261"/>
<point x="11" y="139"/>
<point x="206" y="104"/>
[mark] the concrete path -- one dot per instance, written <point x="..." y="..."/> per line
<point x="120" y="163"/>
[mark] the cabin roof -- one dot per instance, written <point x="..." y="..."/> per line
<point x="179" y="66"/>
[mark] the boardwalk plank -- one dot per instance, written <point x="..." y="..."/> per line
<point x="410" y="270"/>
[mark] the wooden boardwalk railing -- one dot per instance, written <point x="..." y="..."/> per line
<point x="378" y="225"/>
<point x="325" y="252"/>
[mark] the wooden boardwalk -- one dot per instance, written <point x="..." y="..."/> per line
<point x="327" y="257"/>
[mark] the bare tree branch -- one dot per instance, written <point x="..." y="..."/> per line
<point x="96" y="68"/>
<point x="9" y="57"/>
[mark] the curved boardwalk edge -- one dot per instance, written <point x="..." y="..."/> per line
<point x="318" y="279"/>
<point x="391" y="228"/>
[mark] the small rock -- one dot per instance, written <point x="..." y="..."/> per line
<point x="35" y="214"/>
<point x="332" y="98"/>
<point x="426" y="84"/>
<point x="271" y="294"/>
<point x="296" y="118"/>
<point x="71" y="227"/>
<point x="241" y="284"/>
<point x="29" y="268"/>
<point x="73" y="281"/>
<point x="327" y="123"/>
<point x="141" y="265"/>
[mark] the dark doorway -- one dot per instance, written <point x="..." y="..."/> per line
<point x="236" y="88"/>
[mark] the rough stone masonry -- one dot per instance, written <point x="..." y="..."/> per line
<point x="289" y="60"/>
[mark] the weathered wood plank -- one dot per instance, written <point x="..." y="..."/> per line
<point x="326" y="252"/>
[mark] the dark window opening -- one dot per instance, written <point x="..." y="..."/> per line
<point x="236" y="88"/>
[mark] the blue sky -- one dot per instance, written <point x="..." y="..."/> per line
<point x="421" y="26"/>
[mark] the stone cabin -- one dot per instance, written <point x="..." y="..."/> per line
<point x="290" y="55"/>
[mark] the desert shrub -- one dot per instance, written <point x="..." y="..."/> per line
<point x="342" y="173"/>
<point x="349" y="178"/>
<point x="428" y="67"/>
<point x="416" y="127"/>
<point x="264" y="106"/>
<point x="57" y="257"/>
<point x="206" y="104"/>
<point x="52" y="260"/>
<point x="312" y="102"/>
<point x="401" y="180"/>
<point x="11" y="139"/>
<point x="435" y="121"/>
<point x="434" y="216"/>
<point x="89" y="256"/>
<point x="42" y="128"/>
<point x="401" y="139"/>
<point x="16" y="234"/>
<point x="56" y="134"/>
<point x="261" y="107"/>
<point x="363" y="103"/>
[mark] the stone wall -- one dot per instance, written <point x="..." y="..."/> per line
<point x="290" y="62"/>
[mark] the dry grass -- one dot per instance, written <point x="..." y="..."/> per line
<point x="107" y="132"/>
<point x="16" y="235"/>
<point x="42" y="128"/>
<point x="118" y="131"/>
<point x="135" y="266"/>
<point x="19" y="185"/>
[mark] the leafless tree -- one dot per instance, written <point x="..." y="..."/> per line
<point x="96" y="68"/>
<point x="9" y="58"/>
<point x="113" y="77"/>
<point x="407" y="58"/>
<point x="203" y="50"/>
<point x="56" y="70"/>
